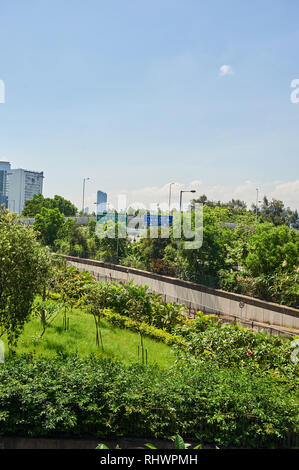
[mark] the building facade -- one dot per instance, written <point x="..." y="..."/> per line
<point x="101" y="202"/>
<point x="4" y="170"/>
<point x="22" y="185"/>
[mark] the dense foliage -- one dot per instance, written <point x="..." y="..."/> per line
<point x="245" y="251"/>
<point x="229" y="386"/>
<point x="206" y="339"/>
<point x="38" y="202"/>
<point x="144" y="328"/>
<point x="48" y="224"/>
<point x="275" y="212"/>
<point x="271" y="250"/>
<point x="99" y="397"/>
<point x="133" y="301"/>
<point x="24" y="268"/>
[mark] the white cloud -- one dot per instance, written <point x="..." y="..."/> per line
<point x="225" y="70"/>
<point x="288" y="192"/>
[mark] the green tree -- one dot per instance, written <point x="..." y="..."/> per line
<point x="272" y="249"/>
<point x="24" y="268"/>
<point x="153" y="249"/>
<point x="95" y="300"/>
<point x="92" y="226"/>
<point x="113" y="242"/>
<point x="48" y="223"/>
<point x="203" y="264"/>
<point x="72" y="238"/>
<point x="276" y="213"/>
<point x="34" y="206"/>
<point x="236" y="206"/>
<point x="38" y="202"/>
<point x="64" y="206"/>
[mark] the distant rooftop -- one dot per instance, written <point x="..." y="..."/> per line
<point x="28" y="171"/>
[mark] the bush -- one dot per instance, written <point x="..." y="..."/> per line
<point x="201" y="323"/>
<point x="44" y="397"/>
<point x="234" y="346"/>
<point x="158" y="334"/>
<point x="126" y="299"/>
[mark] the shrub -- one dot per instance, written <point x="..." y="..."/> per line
<point x="229" y="407"/>
<point x="234" y="346"/>
<point x="127" y="299"/>
<point x="158" y="334"/>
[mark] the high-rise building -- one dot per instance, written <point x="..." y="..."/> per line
<point x="4" y="169"/>
<point x="22" y="185"/>
<point x="101" y="202"/>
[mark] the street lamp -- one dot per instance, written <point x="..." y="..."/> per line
<point x="170" y="184"/>
<point x="257" y="203"/>
<point x="84" y="180"/>
<point x="181" y="197"/>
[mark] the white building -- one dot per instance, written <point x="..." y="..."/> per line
<point x="22" y="185"/>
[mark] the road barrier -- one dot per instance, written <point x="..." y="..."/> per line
<point x="195" y="296"/>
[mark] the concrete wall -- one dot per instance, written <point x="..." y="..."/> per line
<point x="194" y="295"/>
<point x="79" y="220"/>
<point x="83" y="443"/>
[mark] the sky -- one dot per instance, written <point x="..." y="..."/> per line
<point x="135" y="94"/>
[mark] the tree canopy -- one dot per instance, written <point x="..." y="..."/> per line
<point x="275" y="212"/>
<point x="24" y="268"/>
<point x="48" y="224"/>
<point x="38" y="202"/>
<point x="272" y="249"/>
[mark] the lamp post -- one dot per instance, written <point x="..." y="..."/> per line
<point x="83" y="198"/>
<point x="257" y="203"/>
<point x="181" y="198"/>
<point x="169" y="203"/>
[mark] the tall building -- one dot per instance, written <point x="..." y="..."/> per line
<point x="22" y="185"/>
<point x="101" y="202"/>
<point x="4" y="169"/>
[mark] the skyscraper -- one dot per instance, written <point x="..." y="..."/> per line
<point x="22" y="185"/>
<point x="4" y="169"/>
<point x="101" y="202"/>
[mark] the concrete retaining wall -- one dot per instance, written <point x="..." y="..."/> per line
<point x="194" y="295"/>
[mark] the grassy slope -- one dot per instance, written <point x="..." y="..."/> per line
<point x="118" y="343"/>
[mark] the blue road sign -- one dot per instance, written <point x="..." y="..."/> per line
<point x="152" y="220"/>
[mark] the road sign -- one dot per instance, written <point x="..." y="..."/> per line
<point x="115" y="217"/>
<point x="241" y="305"/>
<point x="154" y="220"/>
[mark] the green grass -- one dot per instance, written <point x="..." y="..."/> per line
<point x="119" y="344"/>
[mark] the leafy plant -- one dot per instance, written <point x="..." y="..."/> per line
<point x="24" y="268"/>
<point x="47" y="310"/>
<point x="234" y="346"/>
<point x="226" y="407"/>
<point x="178" y="444"/>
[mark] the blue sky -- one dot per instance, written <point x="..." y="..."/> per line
<point x="130" y="94"/>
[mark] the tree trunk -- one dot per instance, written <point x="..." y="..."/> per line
<point x="43" y="315"/>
